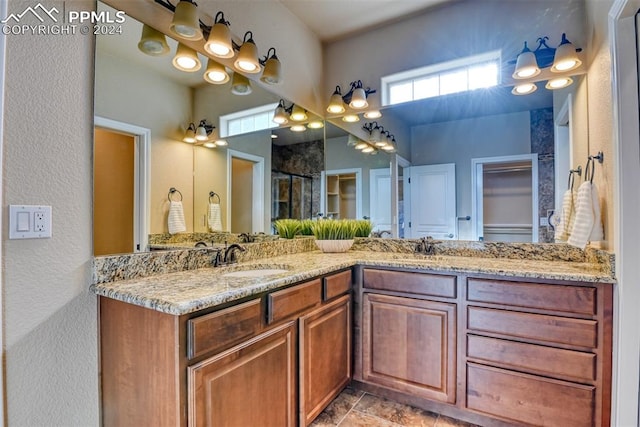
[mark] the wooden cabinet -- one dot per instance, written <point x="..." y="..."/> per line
<point x="409" y="344"/>
<point x="252" y="384"/>
<point x="242" y="365"/>
<point x="538" y="353"/>
<point x="325" y="356"/>
<point x="489" y="350"/>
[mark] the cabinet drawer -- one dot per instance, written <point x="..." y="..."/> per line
<point x="414" y="283"/>
<point x="336" y="284"/>
<point x="571" y="299"/>
<point x="529" y="399"/>
<point x="218" y="331"/>
<point x="284" y="303"/>
<point x="553" y="329"/>
<point x="527" y="357"/>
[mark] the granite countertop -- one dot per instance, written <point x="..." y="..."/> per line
<point x="191" y="290"/>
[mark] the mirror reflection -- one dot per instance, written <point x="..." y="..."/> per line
<point x="470" y="154"/>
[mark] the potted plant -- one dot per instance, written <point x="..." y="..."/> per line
<point x="363" y="227"/>
<point x="287" y="228"/>
<point x="334" y="235"/>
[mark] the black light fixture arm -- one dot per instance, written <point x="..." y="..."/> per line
<point x="208" y="127"/>
<point x="370" y="127"/>
<point x="353" y="86"/>
<point x="269" y="56"/>
<point x="288" y="109"/>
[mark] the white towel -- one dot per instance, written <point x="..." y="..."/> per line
<point x="567" y="216"/>
<point x="176" y="218"/>
<point x="587" y="226"/>
<point x="214" y="218"/>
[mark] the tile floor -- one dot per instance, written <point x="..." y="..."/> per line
<point x="359" y="409"/>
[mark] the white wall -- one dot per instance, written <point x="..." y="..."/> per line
<point x="462" y="140"/>
<point x="49" y="314"/>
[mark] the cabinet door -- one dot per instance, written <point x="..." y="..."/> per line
<point x="325" y="356"/>
<point x="409" y="345"/>
<point x="252" y="384"/>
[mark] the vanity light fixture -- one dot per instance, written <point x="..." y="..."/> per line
<point x="240" y="85"/>
<point x="298" y="128"/>
<point x="356" y="98"/>
<point x="186" y="59"/>
<point x="153" y="42"/>
<point x="530" y="64"/>
<point x="272" y="73"/>
<point x="315" y="124"/>
<point x="203" y="131"/>
<point x="190" y="134"/>
<point x="247" y="59"/>
<point x="372" y="114"/>
<point x="216" y="73"/>
<point x="185" y="23"/>
<point x="219" y="42"/>
<point x="379" y="137"/>
<point x="282" y="113"/>
<point x="351" y="118"/>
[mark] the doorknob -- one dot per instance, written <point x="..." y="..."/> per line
<point x="450" y="235"/>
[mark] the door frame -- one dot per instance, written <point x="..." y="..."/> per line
<point x="396" y="162"/>
<point x="142" y="176"/>
<point x="562" y="165"/>
<point x="626" y="134"/>
<point x="373" y="174"/>
<point x="257" y="207"/>
<point x="477" y="168"/>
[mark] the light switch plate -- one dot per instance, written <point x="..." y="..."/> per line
<point x="29" y="222"/>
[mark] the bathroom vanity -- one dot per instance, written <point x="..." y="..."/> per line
<point x="491" y="341"/>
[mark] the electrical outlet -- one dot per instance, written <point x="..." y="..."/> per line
<point x="29" y="222"/>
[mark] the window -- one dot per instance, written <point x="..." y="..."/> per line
<point x="470" y="73"/>
<point x="246" y="121"/>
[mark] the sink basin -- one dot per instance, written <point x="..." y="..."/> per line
<point x="258" y="272"/>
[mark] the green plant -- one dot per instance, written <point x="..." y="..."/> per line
<point x="306" y="227"/>
<point x="334" y="229"/>
<point x="287" y="228"/>
<point x="363" y="227"/>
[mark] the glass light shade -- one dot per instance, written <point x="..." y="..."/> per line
<point x="352" y="140"/>
<point x="566" y="57"/>
<point x="221" y="142"/>
<point x="185" y="22"/>
<point x="298" y="128"/>
<point x="153" y="42"/>
<point x="240" y="85"/>
<point x="359" y="99"/>
<point x="272" y="73"/>
<point x="201" y="134"/>
<point x="336" y="105"/>
<point x="376" y="135"/>
<point x="373" y="114"/>
<point x="219" y="41"/>
<point x="351" y="118"/>
<point x="389" y="148"/>
<point x="190" y="135"/>
<point x="216" y="73"/>
<point x="361" y="145"/>
<point x="316" y="124"/>
<point x="524" y="89"/>
<point x="559" y="83"/>
<point x="526" y="64"/>
<point x="210" y="144"/>
<point x="280" y="116"/>
<point x="186" y="59"/>
<point x="247" y="59"/>
<point x="381" y="144"/>
<point x="368" y="149"/>
<point x="298" y="114"/>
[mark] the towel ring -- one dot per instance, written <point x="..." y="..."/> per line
<point x="577" y="170"/>
<point x="213" y="194"/>
<point x="590" y="164"/>
<point x="173" y="190"/>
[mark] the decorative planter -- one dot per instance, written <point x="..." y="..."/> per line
<point x="334" y="245"/>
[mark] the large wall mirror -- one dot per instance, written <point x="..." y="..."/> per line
<point x="483" y="140"/>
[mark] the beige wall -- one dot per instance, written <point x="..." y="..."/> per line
<point x="49" y="325"/>
<point x="130" y="93"/>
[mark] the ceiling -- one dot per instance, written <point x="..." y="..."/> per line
<point x="334" y="19"/>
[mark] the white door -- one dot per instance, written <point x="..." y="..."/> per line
<point x="380" y="199"/>
<point x="433" y="201"/>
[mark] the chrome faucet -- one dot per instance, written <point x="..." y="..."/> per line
<point x="380" y="233"/>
